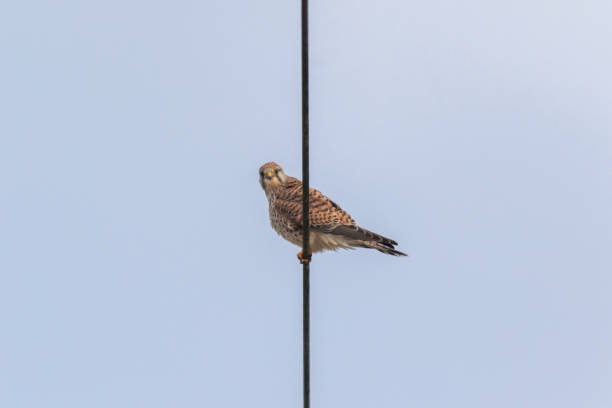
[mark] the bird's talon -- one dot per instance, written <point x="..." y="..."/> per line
<point x="304" y="259"/>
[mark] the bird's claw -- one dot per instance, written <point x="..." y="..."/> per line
<point x="304" y="259"/>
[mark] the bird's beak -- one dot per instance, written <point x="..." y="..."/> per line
<point x="269" y="173"/>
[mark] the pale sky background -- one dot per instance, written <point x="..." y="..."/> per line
<point x="137" y="264"/>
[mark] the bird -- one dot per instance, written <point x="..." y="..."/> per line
<point x="331" y="227"/>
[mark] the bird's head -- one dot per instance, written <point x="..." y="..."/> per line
<point x="271" y="175"/>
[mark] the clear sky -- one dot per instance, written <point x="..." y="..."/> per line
<point x="137" y="264"/>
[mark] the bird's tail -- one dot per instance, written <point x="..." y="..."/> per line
<point x="361" y="237"/>
<point x="379" y="246"/>
<point x="385" y="249"/>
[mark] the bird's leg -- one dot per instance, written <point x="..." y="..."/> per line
<point x="304" y="259"/>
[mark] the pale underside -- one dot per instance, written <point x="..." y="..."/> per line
<point x="319" y="241"/>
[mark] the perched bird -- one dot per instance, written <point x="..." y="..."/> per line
<point x="330" y="226"/>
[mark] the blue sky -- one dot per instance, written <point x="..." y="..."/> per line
<point x="138" y="267"/>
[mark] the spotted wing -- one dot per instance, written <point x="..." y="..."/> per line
<point x="324" y="214"/>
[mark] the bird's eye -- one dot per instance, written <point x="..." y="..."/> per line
<point x="261" y="173"/>
<point x="277" y="170"/>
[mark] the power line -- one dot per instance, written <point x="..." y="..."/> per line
<point x="305" y="209"/>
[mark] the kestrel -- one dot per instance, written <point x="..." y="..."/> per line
<point x="330" y="226"/>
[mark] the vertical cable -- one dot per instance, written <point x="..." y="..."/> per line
<point x="305" y="209"/>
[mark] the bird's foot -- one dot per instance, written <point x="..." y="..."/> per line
<point x="304" y="259"/>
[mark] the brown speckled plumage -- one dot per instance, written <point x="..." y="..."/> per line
<point x="330" y="226"/>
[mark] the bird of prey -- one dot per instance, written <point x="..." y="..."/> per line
<point x="330" y="226"/>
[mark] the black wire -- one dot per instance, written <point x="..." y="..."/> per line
<point x="305" y="209"/>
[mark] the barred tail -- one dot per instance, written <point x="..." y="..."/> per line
<point x="361" y="237"/>
<point x="385" y="249"/>
<point x="388" y="250"/>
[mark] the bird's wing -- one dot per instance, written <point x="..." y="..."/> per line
<point x="324" y="214"/>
